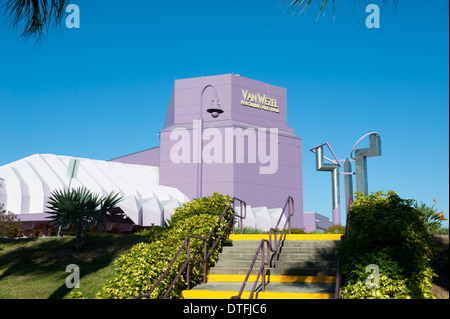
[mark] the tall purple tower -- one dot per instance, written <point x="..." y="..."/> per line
<point x="229" y="134"/>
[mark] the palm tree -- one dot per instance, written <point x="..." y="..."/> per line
<point x="36" y="16"/>
<point x="39" y="15"/>
<point x="297" y="5"/>
<point x="80" y="209"/>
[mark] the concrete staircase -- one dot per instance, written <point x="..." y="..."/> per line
<point x="306" y="269"/>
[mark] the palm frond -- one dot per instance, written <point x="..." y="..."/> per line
<point x="75" y="207"/>
<point x="36" y="16"/>
<point x="303" y="5"/>
<point x="296" y="5"/>
<point x="106" y="205"/>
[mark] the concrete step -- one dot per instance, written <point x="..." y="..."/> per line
<point x="309" y="250"/>
<point x="287" y="249"/>
<point x="288" y="243"/>
<point x="222" y="290"/>
<point x="281" y="271"/>
<point x="274" y="279"/>
<point x="306" y="269"/>
<point x="228" y="263"/>
<point x="306" y="257"/>
<point x="287" y="237"/>
<point x="313" y="255"/>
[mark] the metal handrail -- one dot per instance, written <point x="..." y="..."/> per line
<point x="242" y="212"/>
<point x="186" y="265"/>
<point x="270" y="248"/>
<point x="290" y="206"/>
<point x="261" y="271"/>
<point x="188" y="259"/>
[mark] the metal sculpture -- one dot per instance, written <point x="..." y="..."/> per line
<point x="360" y="160"/>
<point x="334" y="169"/>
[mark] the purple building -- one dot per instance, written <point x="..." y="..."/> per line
<point x="248" y="151"/>
<point x="315" y="222"/>
<point x="224" y="134"/>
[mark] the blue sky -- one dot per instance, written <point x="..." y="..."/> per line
<point x="101" y="91"/>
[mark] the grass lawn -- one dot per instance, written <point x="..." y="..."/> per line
<point x="35" y="267"/>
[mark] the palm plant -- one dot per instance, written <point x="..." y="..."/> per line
<point x="36" y="15"/>
<point x="81" y="209"/>
<point x="430" y="216"/>
<point x="39" y="15"/>
<point x="296" y="5"/>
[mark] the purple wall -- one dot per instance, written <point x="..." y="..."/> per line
<point x="148" y="157"/>
<point x="185" y="100"/>
<point x="243" y="180"/>
<point x="310" y="222"/>
<point x="228" y="175"/>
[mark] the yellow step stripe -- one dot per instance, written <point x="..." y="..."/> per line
<point x="273" y="278"/>
<point x="214" y="294"/>
<point x="287" y="237"/>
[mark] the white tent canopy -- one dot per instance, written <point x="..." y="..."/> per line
<point x="27" y="184"/>
<point x="262" y="218"/>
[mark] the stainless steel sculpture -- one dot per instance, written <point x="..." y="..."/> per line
<point x="348" y="182"/>
<point x="334" y="169"/>
<point x="360" y="160"/>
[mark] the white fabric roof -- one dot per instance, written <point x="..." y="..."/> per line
<point x="262" y="218"/>
<point x="26" y="185"/>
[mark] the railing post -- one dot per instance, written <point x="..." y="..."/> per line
<point x="242" y="208"/>
<point x="234" y="217"/>
<point x="188" y="263"/>
<point x="204" y="261"/>
<point x="291" y="211"/>
<point x="276" y="263"/>
<point x="262" y="266"/>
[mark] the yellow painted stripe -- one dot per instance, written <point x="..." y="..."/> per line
<point x="214" y="294"/>
<point x="272" y="278"/>
<point x="287" y="237"/>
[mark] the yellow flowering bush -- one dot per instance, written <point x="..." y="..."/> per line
<point x="138" y="270"/>
<point x="386" y="231"/>
<point x="389" y="289"/>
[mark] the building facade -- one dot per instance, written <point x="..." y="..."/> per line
<point x="248" y="151"/>
<point x="224" y="133"/>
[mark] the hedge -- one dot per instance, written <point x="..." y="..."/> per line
<point x="385" y="230"/>
<point x="138" y="270"/>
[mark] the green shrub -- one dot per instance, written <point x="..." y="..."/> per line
<point x="430" y="216"/>
<point x="383" y="229"/>
<point x="138" y="270"/>
<point x="213" y="205"/>
<point x="143" y="232"/>
<point x="250" y="230"/>
<point x="296" y="231"/>
<point x="9" y="224"/>
<point x="389" y="289"/>
<point x="75" y="295"/>
<point x="440" y="231"/>
<point x="335" y="229"/>
<point x="81" y="209"/>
